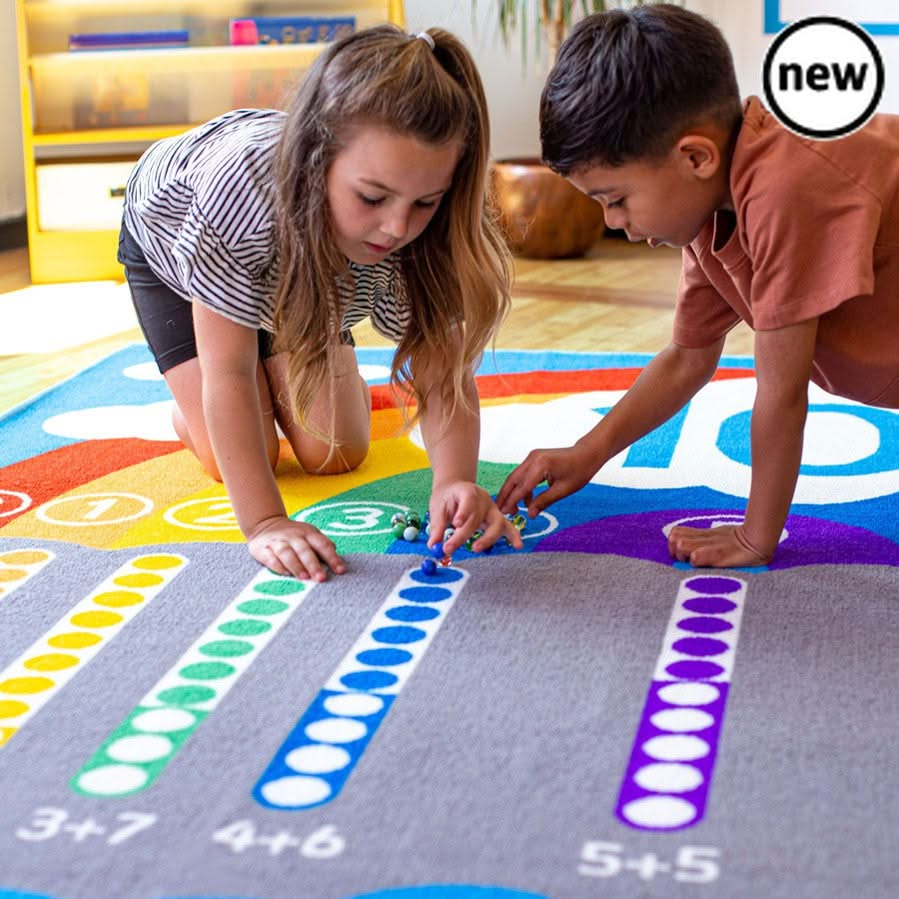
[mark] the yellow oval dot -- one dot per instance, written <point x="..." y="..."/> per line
<point x="24" y="557"/>
<point x="157" y="562"/>
<point x="6" y="734"/>
<point x="12" y="708"/>
<point x="116" y="599"/>
<point x="95" y="619"/>
<point x="138" y="580"/>
<point x="52" y="661"/>
<point x="12" y="574"/>
<point x="74" y="640"/>
<point x="26" y="685"/>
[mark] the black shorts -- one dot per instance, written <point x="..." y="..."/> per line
<point x="165" y="318"/>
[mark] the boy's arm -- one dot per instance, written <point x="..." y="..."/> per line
<point x="228" y="357"/>
<point x="456" y="498"/>
<point x="783" y="360"/>
<point x="667" y="383"/>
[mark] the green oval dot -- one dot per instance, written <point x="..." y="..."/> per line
<point x="226" y="648"/>
<point x="280" y="588"/>
<point x="263" y="607"/>
<point x="245" y="627"/>
<point x="206" y="671"/>
<point x="186" y="695"/>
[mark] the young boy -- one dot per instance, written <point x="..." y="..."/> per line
<point x="799" y="238"/>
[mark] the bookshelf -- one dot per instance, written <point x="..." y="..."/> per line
<point x="87" y="115"/>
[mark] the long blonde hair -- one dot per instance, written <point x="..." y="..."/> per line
<point x="456" y="273"/>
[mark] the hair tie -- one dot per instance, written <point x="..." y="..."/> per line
<point x="424" y="36"/>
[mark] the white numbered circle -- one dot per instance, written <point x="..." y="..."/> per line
<point x="352" y="518"/>
<point x="12" y="502"/>
<point x="93" y="509"/>
<point x="210" y="514"/>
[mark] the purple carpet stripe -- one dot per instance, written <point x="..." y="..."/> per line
<point x="669" y="774"/>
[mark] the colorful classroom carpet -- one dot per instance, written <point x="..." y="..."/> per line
<point x="582" y="718"/>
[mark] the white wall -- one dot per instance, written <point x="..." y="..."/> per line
<point x="513" y="91"/>
<point x="514" y="96"/>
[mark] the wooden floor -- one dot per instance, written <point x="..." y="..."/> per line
<point x="619" y="298"/>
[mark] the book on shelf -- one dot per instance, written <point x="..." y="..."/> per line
<point x="290" y="29"/>
<point x="128" y="40"/>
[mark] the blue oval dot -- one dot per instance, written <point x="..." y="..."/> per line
<point x="442" y="575"/>
<point x="412" y="613"/>
<point x="425" y="594"/>
<point x="368" y="680"/>
<point x="384" y="657"/>
<point x="398" y="634"/>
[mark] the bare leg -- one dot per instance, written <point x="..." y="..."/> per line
<point x="185" y="383"/>
<point x="352" y="422"/>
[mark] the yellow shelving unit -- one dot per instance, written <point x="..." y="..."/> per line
<point x="88" y="115"/>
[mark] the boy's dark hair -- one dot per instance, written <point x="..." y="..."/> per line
<point x="627" y="84"/>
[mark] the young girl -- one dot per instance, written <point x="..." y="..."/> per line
<point x="253" y="243"/>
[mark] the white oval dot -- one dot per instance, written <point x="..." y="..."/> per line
<point x="163" y="720"/>
<point x="354" y="704"/>
<point x="660" y="811"/>
<point x="112" y="780"/>
<point x="317" y="759"/>
<point x="140" y="748"/>
<point x="296" y="792"/>
<point x="682" y="720"/>
<point x="676" y="748"/>
<point x="336" y="730"/>
<point x="687" y="693"/>
<point x="668" y="778"/>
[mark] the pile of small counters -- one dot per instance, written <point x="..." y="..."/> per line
<point x="407" y="526"/>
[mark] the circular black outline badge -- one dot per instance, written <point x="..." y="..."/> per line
<point x="856" y="123"/>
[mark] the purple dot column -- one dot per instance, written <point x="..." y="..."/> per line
<point x="669" y="774"/>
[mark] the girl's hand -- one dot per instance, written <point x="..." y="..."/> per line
<point x="468" y="507"/>
<point x="726" y="546"/>
<point x="294" y="548"/>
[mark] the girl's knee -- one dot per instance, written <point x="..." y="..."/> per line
<point x="323" y="459"/>
<point x="203" y="452"/>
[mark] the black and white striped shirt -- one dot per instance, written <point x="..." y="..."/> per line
<point x="201" y="207"/>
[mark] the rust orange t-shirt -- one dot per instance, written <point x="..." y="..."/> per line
<point x="815" y="233"/>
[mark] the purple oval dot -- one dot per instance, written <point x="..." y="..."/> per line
<point x="694" y="670"/>
<point x="704" y="625"/>
<point x="700" y="646"/>
<point x="709" y="605"/>
<point x="713" y="584"/>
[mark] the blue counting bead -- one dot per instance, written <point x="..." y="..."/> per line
<point x="429" y="567"/>
<point x="437" y="551"/>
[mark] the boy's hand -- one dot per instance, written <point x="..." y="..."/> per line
<point x="294" y="548"/>
<point x="725" y="546"/>
<point x="466" y="507"/>
<point x="564" y="470"/>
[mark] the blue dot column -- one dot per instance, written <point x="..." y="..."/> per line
<point x="669" y="774"/>
<point x="320" y="753"/>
